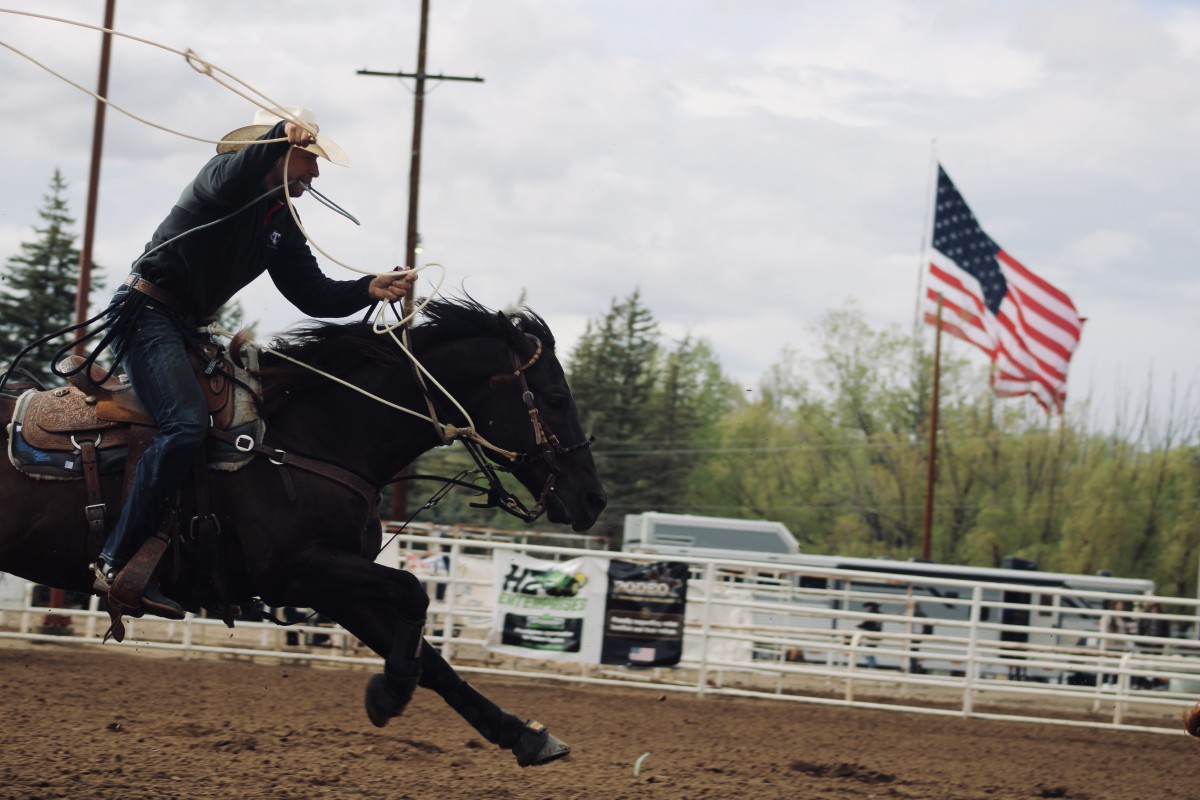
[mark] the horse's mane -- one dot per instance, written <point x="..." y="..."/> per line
<point x="342" y="347"/>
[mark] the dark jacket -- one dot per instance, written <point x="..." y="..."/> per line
<point x="206" y="268"/>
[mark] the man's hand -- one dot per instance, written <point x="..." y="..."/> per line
<point x="297" y="136"/>
<point x="392" y="286"/>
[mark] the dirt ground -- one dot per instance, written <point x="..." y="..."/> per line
<point x="107" y="723"/>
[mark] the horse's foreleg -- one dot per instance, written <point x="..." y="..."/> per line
<point x="385" y="608"/>
<point x="529" y="740"/>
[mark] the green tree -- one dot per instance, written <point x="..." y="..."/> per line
<point x="652" y="405"/>
<point x="37" y="296"/>
<point x="612" y="374"/>
<point x="690" y="396"/>
<point x="232" y="318"/>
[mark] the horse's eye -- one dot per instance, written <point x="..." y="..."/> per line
<point x="557" y="402"/>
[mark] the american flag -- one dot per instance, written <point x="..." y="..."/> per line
<point x="1028" y="327"/>
<point x="642" y="654"/>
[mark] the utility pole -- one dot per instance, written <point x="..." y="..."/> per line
<point x="399" y="505"/>
<point x="83" y="286"/>
<point x="58" y="623"/>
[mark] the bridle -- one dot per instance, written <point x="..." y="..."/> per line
<point x="549" y="446"/>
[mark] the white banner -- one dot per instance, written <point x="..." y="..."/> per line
<point x="549" y="609"/>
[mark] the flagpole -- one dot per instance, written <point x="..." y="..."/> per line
<point x="931" y="474"/>
<point x="922" y="259"/>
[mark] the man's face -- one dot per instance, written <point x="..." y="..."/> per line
<point x="301" y="170"/>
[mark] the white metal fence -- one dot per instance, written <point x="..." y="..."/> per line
<point x="789" y="633"/>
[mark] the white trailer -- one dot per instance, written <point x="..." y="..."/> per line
<point x="681" y="534"/>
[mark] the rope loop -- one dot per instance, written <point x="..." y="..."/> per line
<point x="194" y="61"/>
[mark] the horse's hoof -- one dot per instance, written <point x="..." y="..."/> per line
<point x="1191" y="720"/>
<point x="383" y="702"/>
<point x="537" y="745"/>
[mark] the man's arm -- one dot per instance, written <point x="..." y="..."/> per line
<point x="306" y="287"/>
<point x="229" y="179"/>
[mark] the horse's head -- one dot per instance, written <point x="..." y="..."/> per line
<point x="520" y="403"/>
<point x="526" y="409"/>
<point x="556" y="462"/>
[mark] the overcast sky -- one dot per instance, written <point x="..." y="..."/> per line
<point x="747" y="164"/>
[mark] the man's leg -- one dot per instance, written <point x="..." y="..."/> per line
<point x="155" y="358"/>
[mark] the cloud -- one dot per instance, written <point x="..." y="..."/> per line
<point x="747" y="166"/>
<point x="1104" y="248"/>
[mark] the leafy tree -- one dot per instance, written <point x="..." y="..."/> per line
<point x="37" y="296"/>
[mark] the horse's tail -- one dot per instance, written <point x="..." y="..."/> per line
<point x="1191" y="720"/>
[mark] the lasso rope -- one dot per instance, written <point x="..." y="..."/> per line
<point x="212" y="71"/>
<point x="447" y="433"/>
<point x="193" y="60"/>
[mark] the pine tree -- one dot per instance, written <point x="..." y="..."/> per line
<point x="37" y="293"/>
<point x="612" y="375"/>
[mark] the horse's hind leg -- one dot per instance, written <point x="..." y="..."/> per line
<point x="529" y="741"/>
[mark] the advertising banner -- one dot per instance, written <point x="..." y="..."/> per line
<point x="549" y="609"/>
<point x="590" y="610"/>
<point x="644" y="614"/>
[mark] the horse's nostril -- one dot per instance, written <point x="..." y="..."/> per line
<point x="597" y="500"/>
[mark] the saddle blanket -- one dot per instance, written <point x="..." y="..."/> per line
<point x="53" y="463"/>
<point x="67" y="465"/>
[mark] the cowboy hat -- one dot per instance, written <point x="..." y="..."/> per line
<point x="264" y="120"/>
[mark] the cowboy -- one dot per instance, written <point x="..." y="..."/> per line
<point x="230" y="224"/>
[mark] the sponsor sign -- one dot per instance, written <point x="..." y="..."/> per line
<point x="589" y="610"/>
<point x="549" y="609"/>
<point x="644" y="614"/>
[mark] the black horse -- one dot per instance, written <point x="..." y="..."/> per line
<point x="294" y="537"/>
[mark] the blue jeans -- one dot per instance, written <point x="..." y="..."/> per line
<point x="154" y="355"/>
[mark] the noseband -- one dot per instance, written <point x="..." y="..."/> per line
<point x="550" y="447"/>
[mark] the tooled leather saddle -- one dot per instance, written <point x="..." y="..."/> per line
<point x="97" y="426"/>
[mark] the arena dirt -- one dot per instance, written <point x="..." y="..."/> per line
<point x="107" y="723"/>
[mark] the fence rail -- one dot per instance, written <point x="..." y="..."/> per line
<point x="769" y="635"/>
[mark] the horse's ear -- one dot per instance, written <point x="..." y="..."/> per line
<point x="510" y="330"/>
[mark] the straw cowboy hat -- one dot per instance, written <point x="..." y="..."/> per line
<point x="265" y="120"/>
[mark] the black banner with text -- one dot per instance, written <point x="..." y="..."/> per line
<point x="644" y="614"/>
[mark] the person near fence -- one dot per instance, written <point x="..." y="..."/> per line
<point x="869" y="626"/>
<point x="1119" y="624"/>
<point x="924" y="629"/>
<point x="1152" y="624"/>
